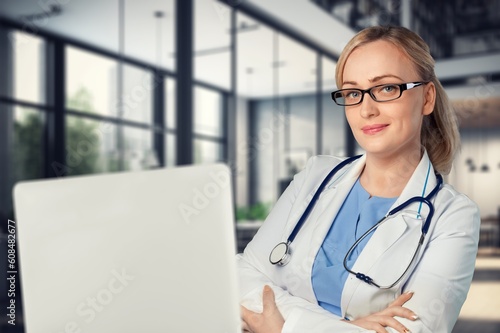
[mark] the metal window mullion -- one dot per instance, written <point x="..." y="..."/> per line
<point x="159" y="117"/>
<point x="319" y="103"/>
<point x="6" y="123"/>
<point x="184" y="94"/>
<point x="120" y="137"/>
<point x="55" y="140"/>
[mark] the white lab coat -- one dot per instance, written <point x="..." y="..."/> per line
<point x="440" y="276"/>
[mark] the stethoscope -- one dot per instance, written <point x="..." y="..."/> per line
<point x="281" y="255"/>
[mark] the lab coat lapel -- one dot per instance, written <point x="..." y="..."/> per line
<point x="333" y="197"/>
<point x="327" y="207"/>
<point x="422" y="181"/>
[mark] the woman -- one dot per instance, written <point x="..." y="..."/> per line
<point x="400" y="115"/>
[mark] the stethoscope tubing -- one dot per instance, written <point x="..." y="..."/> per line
<point x="280" y="254"/>
<point x="312" y="203"/>
<point x="425" y="229"/>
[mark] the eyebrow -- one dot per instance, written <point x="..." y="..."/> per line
<point x="375" y="79"/>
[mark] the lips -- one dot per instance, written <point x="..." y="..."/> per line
<point x="373" y="129"/>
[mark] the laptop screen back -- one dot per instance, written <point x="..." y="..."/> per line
<point x="149" y="251"/>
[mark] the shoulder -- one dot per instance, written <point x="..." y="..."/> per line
<point x="320" y="162"/>
<point x="316" y="169"/>
<point x="320" y="165"/>
<point x="457" y="211"/>
<point x="449" y="196"/>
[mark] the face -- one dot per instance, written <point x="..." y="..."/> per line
<point x="386" y="129"/>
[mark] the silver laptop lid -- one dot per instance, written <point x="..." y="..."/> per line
<point x="149" y="251"/>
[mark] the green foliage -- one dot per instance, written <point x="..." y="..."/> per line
<point x="241" y="213"/>
<point x="82" y="100"/>
<point x="259" y="212"/>
<point x="28" y="149"/>
<point x="82" y="139"/>
<point x="82" y="146"/>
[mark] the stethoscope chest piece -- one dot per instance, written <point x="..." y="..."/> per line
<point x="280" y="255"/>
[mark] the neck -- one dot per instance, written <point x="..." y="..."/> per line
<point x="388" y="176"/>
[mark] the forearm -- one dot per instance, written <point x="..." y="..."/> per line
<point x="300" y="315"/>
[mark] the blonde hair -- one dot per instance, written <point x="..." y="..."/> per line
<point x="439" y="135"/>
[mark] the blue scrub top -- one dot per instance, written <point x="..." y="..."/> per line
<point x="358" y="213"/>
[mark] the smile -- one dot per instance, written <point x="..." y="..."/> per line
<point x="373" y="129"/>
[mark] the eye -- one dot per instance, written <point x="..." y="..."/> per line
<point x="352" y="94"/>
<point x="388" y="89"/>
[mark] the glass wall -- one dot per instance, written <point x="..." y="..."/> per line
<point x="170" y="121"/>
<point x="334" y="122"/>
<point x="94" y="88"/>
<point x="256" y="151"/>
<point x="111" y="116"/>
<point x="27" y="145"/>
<point x="212" y="41"/>
<point x="254" y="53"/>
<point x="149" y="31"/>
<point x="28" y="55"/>
<point x="23" y="111"/>
<point x="91" y="82"/>
<point x="209" y="132"/>
<point x="277" y="80"/>
<point x="118" y="102"/>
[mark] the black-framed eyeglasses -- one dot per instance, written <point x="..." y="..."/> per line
<point x="380" y="93"/>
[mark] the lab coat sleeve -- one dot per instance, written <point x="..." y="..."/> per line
<point x="255" y="271"/>
<point x="443" y="276"/>
<point x="294" y="309"/>
<point x="441" y="279"/>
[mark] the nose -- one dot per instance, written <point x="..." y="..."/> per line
<point x="368" y="107"/>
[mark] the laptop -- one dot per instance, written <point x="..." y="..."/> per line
<point x="146" y="251"/>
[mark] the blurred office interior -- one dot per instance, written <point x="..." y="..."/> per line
<point x="93" y="86"/>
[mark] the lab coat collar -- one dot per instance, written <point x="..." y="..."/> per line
<point x="423" y="178"/>
<point x="348" y="176"/>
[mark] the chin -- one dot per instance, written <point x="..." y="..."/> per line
<point x="379" y="150"/>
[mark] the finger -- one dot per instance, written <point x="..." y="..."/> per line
<point x="400" y="312"/>
<point x="402" y="299"/>
<point x="268" y="299"/>
<point x="252" y="319"/>
<point x="246" y="314"/>
<point x="244" y="327"/>
<point x="391" y="322"/>
<point x="378" y="328"/>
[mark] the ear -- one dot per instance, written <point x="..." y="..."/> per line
<point x="429" y="98"/>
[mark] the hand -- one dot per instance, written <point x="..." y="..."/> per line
<point x="269" y="321"/>
<point x="385" y="318"/>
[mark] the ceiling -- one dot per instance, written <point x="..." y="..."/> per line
<point x="450" y="27"/>
<point x="151" y="39"/>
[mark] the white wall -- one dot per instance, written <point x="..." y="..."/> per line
<point x="482" y="187"/>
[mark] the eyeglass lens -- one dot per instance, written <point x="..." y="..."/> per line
<point x="379" y="93"/>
